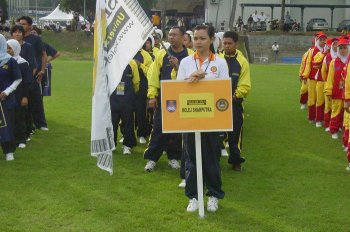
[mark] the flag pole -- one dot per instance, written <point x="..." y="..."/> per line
<point x="199" y="174"/>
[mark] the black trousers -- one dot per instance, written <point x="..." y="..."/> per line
<point x="142" y="121"/>
<point x="235" y="137"/>
<point x="9" y="146"/>
<point x="122" y="111"/>
<point x="159" y="142"/>
<point x="36" y="105"/>
<point x="210" y="164"/>
<point x="20" y="124"/>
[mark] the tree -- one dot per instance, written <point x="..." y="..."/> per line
<point x="77" y="5"/>
<point x="3" y="11"/>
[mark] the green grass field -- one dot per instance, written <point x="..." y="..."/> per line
<point x="294" y="178"/>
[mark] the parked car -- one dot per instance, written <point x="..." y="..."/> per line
<point x="317" y="24"/>
<point x="343" y="25"/>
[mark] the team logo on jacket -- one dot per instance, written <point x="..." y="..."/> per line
<point x="222" y="104"/>
<point x="213" y="69"/>
<point x="171" y="105"/>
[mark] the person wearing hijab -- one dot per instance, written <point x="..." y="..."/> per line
<point x="335" y="87"/>
<point x="332" y="54"/>
<point x="21" y="93"/>
<point x="10" y="78"/>
<point x="312" y="66"/>
<point x="303" y="81"/>
<point x="347" y="101"/>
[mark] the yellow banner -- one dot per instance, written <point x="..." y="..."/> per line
<point x="193" y="107"/>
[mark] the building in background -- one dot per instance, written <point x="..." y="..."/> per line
<point x="218" y="12"/>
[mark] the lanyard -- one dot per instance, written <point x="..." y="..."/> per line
<point x="195" y="60"/>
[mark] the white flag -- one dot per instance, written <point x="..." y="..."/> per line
<point x="121" y="28"/>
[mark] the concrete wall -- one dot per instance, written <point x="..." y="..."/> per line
<point x="290" y="46"/>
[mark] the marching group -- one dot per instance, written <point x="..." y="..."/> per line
<point x="325" y="86"/>
<point x="25" y="73"/>
<point x="192" y="56"/>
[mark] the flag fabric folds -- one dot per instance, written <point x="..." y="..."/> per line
<point x="121" y="28"/>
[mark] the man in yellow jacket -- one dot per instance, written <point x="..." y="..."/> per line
<point x="240" y="74"/>
<point x="164" y="67"/>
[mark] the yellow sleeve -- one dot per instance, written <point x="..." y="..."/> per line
<point x="330" y="79"/>
<point x="174" y="72"/>
<point x="147" y="61"/>
<point x="155" y="51"/>
<point x="324" y="69"/>
<point x="302" y="65"/>
<point x="153" y="81"/>
<point x="244" y="84"/>
<point x="135" y="75"/>
<point x="307" y="69"/>
<point x="317" y="61"/>
<point x="149" y="73"/>
<point x="347" y="85"/>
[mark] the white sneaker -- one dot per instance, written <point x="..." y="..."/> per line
<point x="174" y="164"/>
<point x="303" y="106"/>
<point x="126" y="150"/>
<point x="182" y="184"/>
<point x="327" y="129"/>
<point x="345" y="149"/>
<point x="224" y="152"/>
<point x="9" y="157"/>
<point x="318" y="124"/>
<point x="121" y="140"/>
<point x="142" y="140"/>
<point x="150" y="165"/>
<point x="44" y="128"/>
<point x="335" y="136"/>
<point x="348" y="168"/>
<point x="22" y="145"/>
<point x="212" y="204"/>
<point x="192" y="205"/>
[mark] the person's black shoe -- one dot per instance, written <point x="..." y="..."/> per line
<point x="237" y="167"/>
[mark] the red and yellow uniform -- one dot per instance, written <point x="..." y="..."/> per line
<point x="328" y="104"/>
<point x="312" y="65"/>
<point x="347" y="97"/>
<point x="335" y="90"/>
<point x="303" y="88"/>
<point x="320" y="98"/>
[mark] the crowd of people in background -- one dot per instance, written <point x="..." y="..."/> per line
<point x="25" y="67"/>
<point x="325" y="86"/>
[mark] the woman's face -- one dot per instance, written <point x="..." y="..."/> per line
<point x="17" y="35"/>
<point x="187" y="41"/>
<point x="148" y="46"/>
<point x="334" y="46"/>
<point x="202" y="40"/>
<point x="343" y="50"/>
<point x="10" y="51"/>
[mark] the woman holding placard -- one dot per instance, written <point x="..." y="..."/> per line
<point x="204" y="64"/>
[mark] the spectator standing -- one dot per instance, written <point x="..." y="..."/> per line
<point x="156" y="20"/>
<point x="250" y="22"/>
<point x="256" y="18"/>
<point x="275" y="49"/>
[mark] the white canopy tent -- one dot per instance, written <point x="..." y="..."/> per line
<point x="58" y="15"/>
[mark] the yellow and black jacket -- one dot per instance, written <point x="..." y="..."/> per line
<point x="239" y="72"/>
